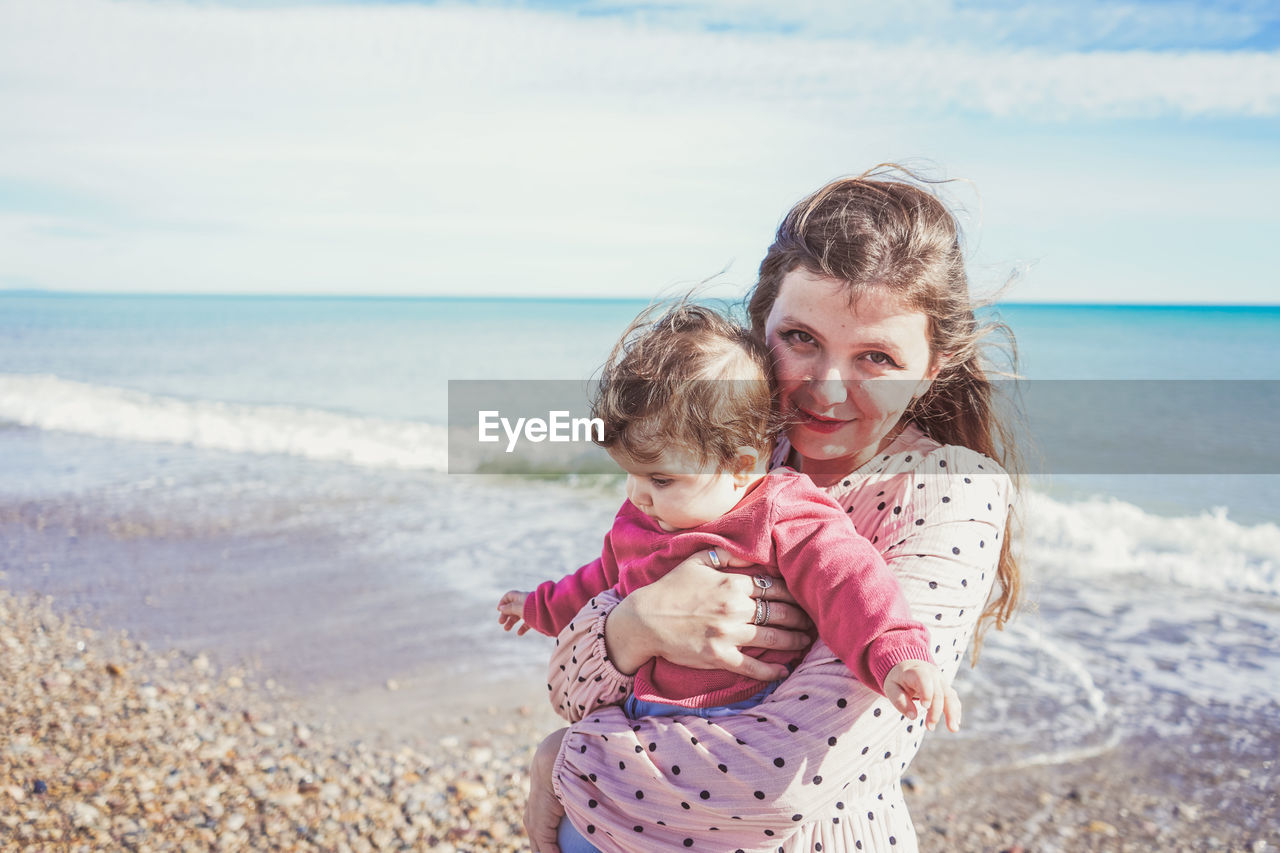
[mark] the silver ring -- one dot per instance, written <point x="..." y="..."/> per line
<point x="763" y="581"/>
<point x="762" y="612"/>
<point x="715" y="559"/>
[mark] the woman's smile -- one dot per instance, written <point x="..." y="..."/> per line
<point x="818" y="423"/>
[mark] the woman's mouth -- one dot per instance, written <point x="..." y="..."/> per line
<point x="818" y="423"/>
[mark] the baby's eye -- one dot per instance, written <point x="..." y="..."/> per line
<point x="660" y="482"/>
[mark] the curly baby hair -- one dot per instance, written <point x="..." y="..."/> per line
<point x="691" y="378"/>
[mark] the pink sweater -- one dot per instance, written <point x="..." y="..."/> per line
<point x="818" y="761"/>
<point x="788" y="528"/>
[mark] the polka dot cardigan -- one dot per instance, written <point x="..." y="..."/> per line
<point x="816" y="766"/>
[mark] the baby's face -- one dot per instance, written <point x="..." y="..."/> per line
<point x="677" y="492"/>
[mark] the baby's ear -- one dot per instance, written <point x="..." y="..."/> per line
<point x="745" y="465"/>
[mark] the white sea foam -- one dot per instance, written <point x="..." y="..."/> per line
<point x="1083" y="538"/>
<point x="1105" y="536"/>
<point x="52" y="403"/>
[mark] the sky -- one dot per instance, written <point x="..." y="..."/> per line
<point x="1106" y="151"/>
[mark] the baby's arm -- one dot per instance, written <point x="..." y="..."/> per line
<point x="550" y="607"/>
<point x="844" y="584"/>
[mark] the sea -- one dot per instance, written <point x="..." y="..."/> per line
<point x="267" y="479"/>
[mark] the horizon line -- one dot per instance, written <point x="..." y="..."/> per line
<point x="462" y="297"/>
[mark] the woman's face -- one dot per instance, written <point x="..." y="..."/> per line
<point x="846" y="372"/>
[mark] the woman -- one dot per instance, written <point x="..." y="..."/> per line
<point x="863" y="302"/>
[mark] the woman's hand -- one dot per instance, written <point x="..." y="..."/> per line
<point x="542" y="811"/>
<point x="701" y="617"/>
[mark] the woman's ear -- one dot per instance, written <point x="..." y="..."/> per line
<point x="745" y="466"/>
<point x="939" y="363"/>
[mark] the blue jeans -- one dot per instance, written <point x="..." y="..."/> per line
<point x="571" y="841"/>
<point x="568" y="836"/>
<point x="635" y="708"/>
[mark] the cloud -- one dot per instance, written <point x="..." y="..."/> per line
<point x="400" y="148"/>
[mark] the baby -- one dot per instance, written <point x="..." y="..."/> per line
<point x="688" y="414"/>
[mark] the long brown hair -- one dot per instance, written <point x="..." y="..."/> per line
<point x="882" y="230"/>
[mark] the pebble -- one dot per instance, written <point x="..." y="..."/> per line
<point x="84" y="816"/>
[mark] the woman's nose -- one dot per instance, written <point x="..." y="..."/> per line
<point x="827" y="387"/>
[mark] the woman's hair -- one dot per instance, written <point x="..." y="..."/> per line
<point x="878" y="230"/>
<point x="692" y="379"/>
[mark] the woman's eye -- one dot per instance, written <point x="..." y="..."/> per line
<point x="796" y="336"/>
<point x="881" y="359"/>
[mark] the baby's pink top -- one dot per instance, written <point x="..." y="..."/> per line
<point x="789" y="529"/>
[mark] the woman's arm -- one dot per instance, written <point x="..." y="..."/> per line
<point x="752" y="777"/>
<point x="581" y="677"/>
<point x="820" y="739"/>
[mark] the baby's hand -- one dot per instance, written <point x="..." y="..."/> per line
<point x="511" y="611"/>
<point x="917" y="680"/>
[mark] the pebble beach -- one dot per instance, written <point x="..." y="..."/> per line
<point x="109" y="745"/>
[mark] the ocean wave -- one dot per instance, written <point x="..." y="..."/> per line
<point x="52" y="403"/>
<point x="1106" y="536"/>
<point x="1085" y="538"/>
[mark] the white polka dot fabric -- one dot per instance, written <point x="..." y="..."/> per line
<point x="816" y="766"/>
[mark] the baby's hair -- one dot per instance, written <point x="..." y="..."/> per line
<point x="693" y="379"/>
